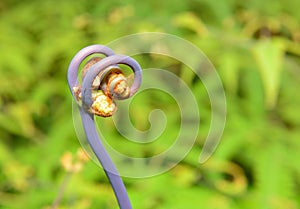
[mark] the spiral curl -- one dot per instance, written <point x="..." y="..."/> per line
<point x="102" y="83"/>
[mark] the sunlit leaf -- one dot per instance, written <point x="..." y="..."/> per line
<point x="269" y="55"/>
<point x="191" y="21"/>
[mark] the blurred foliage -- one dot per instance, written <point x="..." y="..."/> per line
<point x="255" y="47"/>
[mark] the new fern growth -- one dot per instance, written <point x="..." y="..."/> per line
<point x="102" y="83"/>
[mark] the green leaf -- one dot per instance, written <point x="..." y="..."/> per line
<point x="229" y="68"/>
<point x="190" y="21"/>
<point x="269" y="56"/>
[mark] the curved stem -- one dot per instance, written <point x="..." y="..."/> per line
<point x="61" y="190"/>
<point x="107" y="164"/>
<point x="79" y="57"/>
<point x="100" y="66"/>
<point x="88" y="118"/>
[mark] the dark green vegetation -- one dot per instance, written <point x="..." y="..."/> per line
<point x="255" y="47"/>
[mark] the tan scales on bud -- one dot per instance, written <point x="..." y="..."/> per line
<point x="102" y="105"/>
<point x="113" y="85"/>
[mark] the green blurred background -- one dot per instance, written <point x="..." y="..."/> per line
<point x="255" y="46"/>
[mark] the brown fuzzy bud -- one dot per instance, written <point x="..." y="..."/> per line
<point x="102" y="105"/>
